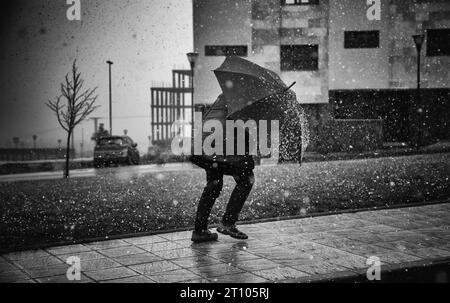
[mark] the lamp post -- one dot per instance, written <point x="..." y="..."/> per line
<point x="110" y="97"/>
<point x="418" y="41"/>
<point x="34" y="141"/>
<point x="192" y="58"/>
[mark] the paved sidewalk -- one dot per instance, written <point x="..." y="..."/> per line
<point x="300" y="250"/>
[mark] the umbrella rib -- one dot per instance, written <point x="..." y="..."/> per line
<point x="239" y="72"/>
<point x="279" y="92"/>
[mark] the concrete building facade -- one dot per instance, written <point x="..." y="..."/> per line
<point x="325" y="46"/>
<point x="264" y="27"/>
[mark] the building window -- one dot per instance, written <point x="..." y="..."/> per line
<point x="438" y="42"/>
<point x="299" y="2"/>
<point x="299" y="57"/>
<point x="361" y="39"/>
<point x="226" y="50"/>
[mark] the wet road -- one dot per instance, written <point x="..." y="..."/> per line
<point x="91" y="172"/>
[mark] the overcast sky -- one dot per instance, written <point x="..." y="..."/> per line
<point x="144" y="38"/>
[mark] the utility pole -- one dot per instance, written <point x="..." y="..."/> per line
<point x="95" y="123"/>
<point x="110" y="98"/>
<point x="82" y="143"/>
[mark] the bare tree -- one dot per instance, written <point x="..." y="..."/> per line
<point x="72" y="106"/>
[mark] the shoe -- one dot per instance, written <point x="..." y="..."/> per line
<point x="232" y="231"/>
<point x="203" y="236"/>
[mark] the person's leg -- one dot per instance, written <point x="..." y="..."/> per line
<point x="244" y="183"/>
<point x="212" y="190"/>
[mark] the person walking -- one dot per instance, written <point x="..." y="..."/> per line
<point x="216" y="166"/>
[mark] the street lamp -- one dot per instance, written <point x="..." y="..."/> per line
<point x="192" y="58"/>
<point x="418" y="41"/>
<point x="110" y="97"/>
<point x="34" y="141"/>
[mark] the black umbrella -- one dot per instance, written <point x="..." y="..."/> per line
<point x="244" y="83"/>
<point x="256" y="93"/>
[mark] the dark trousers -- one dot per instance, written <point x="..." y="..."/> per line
<point x="214" y="176"/>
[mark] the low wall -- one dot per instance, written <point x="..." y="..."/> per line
<point x="358" y="135"/>
<point x="401" y="110"/>
<point x="29" y="154"/>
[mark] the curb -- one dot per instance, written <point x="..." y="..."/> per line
<point x="359" y="275"/>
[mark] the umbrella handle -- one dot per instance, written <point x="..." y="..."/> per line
<point x="293" y="83"/>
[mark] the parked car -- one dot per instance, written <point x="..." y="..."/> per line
<point x="115" y="150"/>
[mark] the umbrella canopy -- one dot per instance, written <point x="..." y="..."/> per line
<point x="244" y="82"/>
<point x="285" y="108"/>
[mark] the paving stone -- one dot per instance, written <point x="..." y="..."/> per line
<point x="107" y="244"/>
<point x="429" y="253"/>
<point x="315" y="228"/>
<point x="110" y="273"/>
<point x="341" y="232"/>
<point x="199" y="261"/>
<point x="404" y="235"/>
<point x="29" y="254"/>
<point x="133" y="279"/>
<point x="5" y="266"/>
<point x="145" y="240"/>
<point x="280" y="273"/>
<point x="97" y="264"/>
<point x="253" y="265"/>
<point x="48" y="271"/>
<point x="317" y="235"/>
<point x="182" y="235"/>
<point x="215" y="249"/>
<point x="68" y="249"/>
<point x="12" y="276"/>
<point x="121" y="251"/>
<point x="302" y="244"/>
<point x="288" y="257"/>
<point x="334" y="243"/>
<point x="405" y="224"/>
<point x="174" y="276"/>
<point x="137" y="259"/>
<point x="402" y="246"/>
<point x="320" y="268"/>
<point x="350" y="261"/>
<point x="233" y="256"/>
<point x="239" y="278"/>
<point x="328" y="252"/>
<point x="215" y="270"/>
<point x="368" y="237"/>
<point x="63" y="279"/>
<point x="84" y="256"/>
<point x="435" y="232"/>
<point x="380" y="228"/>
<point x="256" y="244"/>
<point x="177" y="253"/>
<point x="201" y="280"/>
<point x="152" y="268"/>
<point x="330" y="277"/>
<point x="38" y="262"/>
<point x="353" y="223"/>
<point x="396" y="257"/>
<point x="153" y="247"/>
<point x="366" y="250"/>
<point x="184" y="243"/>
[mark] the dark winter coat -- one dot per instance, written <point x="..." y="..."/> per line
<point x="219" y="111"/>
